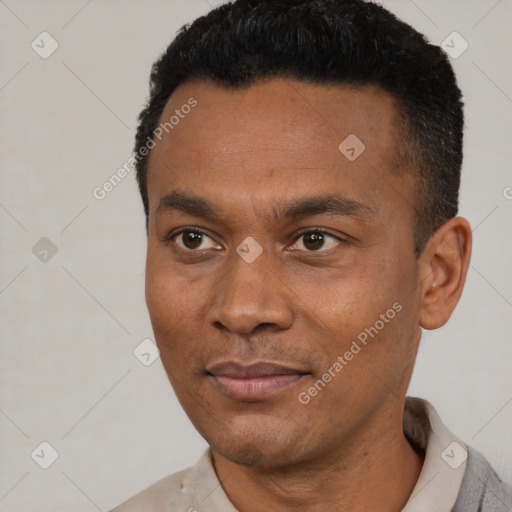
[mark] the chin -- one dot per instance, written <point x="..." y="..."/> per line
<point x="246" y="455"/>
<point x="257" y="454"/>
<point x="260" y="443"/>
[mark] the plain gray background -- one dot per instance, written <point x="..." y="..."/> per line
<point x="71" y="322"/>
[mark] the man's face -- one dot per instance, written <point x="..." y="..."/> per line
<point x="244" y="336"/>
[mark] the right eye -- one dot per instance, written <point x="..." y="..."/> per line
<point x="193" y="239"/>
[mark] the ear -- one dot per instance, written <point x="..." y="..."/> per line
<point x="443" y="266"/>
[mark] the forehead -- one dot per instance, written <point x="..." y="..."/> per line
<point x="234" y="120"/>
<point x="274" y="136"/>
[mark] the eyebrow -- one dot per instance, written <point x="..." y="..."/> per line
<point x="293" y="210"/>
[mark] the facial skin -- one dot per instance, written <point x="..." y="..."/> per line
<point x="252" y="154"/>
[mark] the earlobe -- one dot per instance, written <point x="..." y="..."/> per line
<point x="443" y="268"/>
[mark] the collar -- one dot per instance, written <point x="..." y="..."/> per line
<point x="439" y="481"/>
<point x="445" y="458"/>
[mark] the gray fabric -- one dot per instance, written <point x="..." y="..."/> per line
<point x="481" y="489"/>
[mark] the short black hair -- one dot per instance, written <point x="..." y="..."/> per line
<point x="328" y="42"/>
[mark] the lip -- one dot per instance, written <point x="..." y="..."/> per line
<point x="255" y="381"/>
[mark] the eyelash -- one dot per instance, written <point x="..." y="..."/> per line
<point x="298" y="236"/>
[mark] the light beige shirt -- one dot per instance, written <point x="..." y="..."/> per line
<point x="198" y="488"/>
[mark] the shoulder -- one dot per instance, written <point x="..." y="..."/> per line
<point x="482" y="490"/>
<point x="166" y="494"/>
<point x="192" y="489"/>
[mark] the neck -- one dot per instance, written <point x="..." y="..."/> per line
<point x="376" y="470"/>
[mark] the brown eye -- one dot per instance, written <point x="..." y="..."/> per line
<point x="312" y="241"/>
<point x="191" y="240"/>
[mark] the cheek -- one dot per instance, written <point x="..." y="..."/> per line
<point x="160" y="299"/>
<point x="168" y="293"/>
<point x="176" y="330"/>
<point x="172" y="314"/>
<point x="371" y="305"/>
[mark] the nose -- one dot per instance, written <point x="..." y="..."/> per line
<point x="249" y="296"/>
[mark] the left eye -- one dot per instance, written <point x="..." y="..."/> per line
<point x="315" y="241"/>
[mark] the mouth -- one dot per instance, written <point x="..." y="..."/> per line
<point x="253" y="382"/>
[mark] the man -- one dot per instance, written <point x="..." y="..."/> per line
<point x="299" y="164"/>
